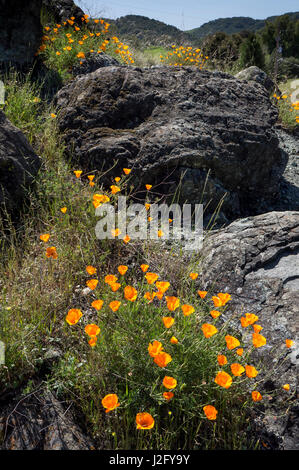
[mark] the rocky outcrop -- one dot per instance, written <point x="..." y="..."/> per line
<point x="257" y="261"/>
<point x="63" y="10"/>
<point x="38" y="421"/>
<point x="20" y="31"/>
<point x="93" y="62"/>
<point x="18" y="165"/>
<point x="257" y="75"/>
<point x="206" y="129"/>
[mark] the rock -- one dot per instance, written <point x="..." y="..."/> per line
<point x="18" y="165"/>
<point x="176" y="124"/>
<point x="38" y="421"/>
<point x="62" y="10"/>
<point x="257" y="261"/>
<point x="256" y="74"/>
<point x="92" y="63"/>
<point x="20" y="31"/>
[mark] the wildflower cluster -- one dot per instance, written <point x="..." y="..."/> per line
<point x="187" y="353"/>
<point x="292" y="107"/>
<point x="181" y="55"/>
<point x="67" y="43"/>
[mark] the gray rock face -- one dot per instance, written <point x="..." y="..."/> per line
<point x="20" y="31"/>
<point x="38" y="421"/>
<point x="93" y="62"/>
<point x="18" y="165"/>
<point x="257" y="261"/>
<point x="62" y="10"/>
<point x="256" y="74"/>
<point x="172" y="125"/>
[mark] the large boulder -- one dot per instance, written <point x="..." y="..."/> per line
<point x="255" y="74"/>
<point x="19" y="165"/>
<point x="256" y="260"/>
<point x="206" y="129"/>
<point x="63" y="10"/>
<point x="20" y="31"/>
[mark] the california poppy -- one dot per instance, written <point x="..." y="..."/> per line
<point x="210" y="412"/>
<point x="209" y="330"/>
<point x="126" y="171"/>
<point x="168" y="395"/>
<point x="126" y="239"/>
<point x="114" y="305"/>
<point x="91" y="270"/>
<point x="144" y="267"/>
<point x="187" y="310"/>
<point x="169" y="382"/>
<point x="130" y="293"/>
<point x="172" y="303"/>
<point x="223" y="379"/>
<point x="73" y="316"/>
<point x="110" y="402"/>
<point x="78" y="173"/>
<point x="51" y="252"/>
<point x="110" y="279"/>
<point x="231" y="342"/>
<point x="174" y="340"/>
<point x="193" y="276"/>
<point x="202" y="293"/>
<point x="256" y="396"/>
<point x="237" y="369"/>
<point x="221" y="359"/>
<point x="249" y="319"/>
<point x="155" y="348"/>
<point x="92" y="330"/>
<point x="151" y="277"/>
<point x="92" y="283"/>
<point x="162" y="359"/>
<point x="97" y="304"/>
<point x="286" y="387"/>
<point x="215" y="313"/>
<point x="258" y="340"/>
<point x="63" y="210"/>
<point x="168" y="321"/>
<point x="122" y="269"/>
<point x="114" y="189"/>
<point x="44" y="237"/>
<point x="289" y="343"/>
<point x="251" y="371"/>
<point x="144" y="421"/>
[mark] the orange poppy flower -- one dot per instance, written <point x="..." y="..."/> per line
<point x="92" y="330"/>
<point x="155" y="348"/>
<point x="249" y="319"/>
<point x="114" y="286"/>
<point x="251" y="371"/>
<point x="193" y="276"/>
<point x="97" y="304"/>
<point x="258" y="340"/>
<point x="286" y="387"/>
<point x="73" y="316"/>
<point x="289" y="343"/>
<point x="187" y="310"/>
<point x="240" y="351"/>
<point x="63" y="210"/>
<point x="116" y="232"/>
<point x="151" y="277"/>
<point x="144" y="267"/>
<point x="217" y="301"/>
<point x="210" y="412"/>
<point x="168" y="321"/>
<point x="172" y="303"/>
<point x="168" y="395"/>
<point x="223" y="379"/>
<point x="149" y="296"/>
<point x="237" y="369"/>
<point x="221" y="360"/>
<point x="45" y="237"/>
<point x="91" y="177"/>
<point x="126" y="239"/>
<point x="209" y="330"/>
<point x="78" y="173"/>
<point x="114" y="305"/>
<point x="174" y="340"/>
<point x="92" y="283"/>
<point x="148" y="186"/>
<point x="215" y="313"/>
<point x="114" y="189"/>
<point x="162" y="359"/>
<point x="231" y="342"/>
<point x="99" y="199"/>
<point x="144" y="421"/>
<point x="202" y="293"/>
<point x="122" y="269"/>
<point x="110" y="279"/>
<point x="257" y="328"/>
<point x="162" y="286"/>
<point x="169" y="382"/>
<point x="224" y="297"/>
<point x="110" y="402"/>
<point x="51" y="252"/>
<point x="130" y="293"/>
<point x="91" y="270"/>
<point x="147" y="206"/>
<point x="158" y="294"/>
<point x="256" y="396"/>
<point x="117" y="179"/>
<point x="126" y="171"/>
<point x="92" y="341"/>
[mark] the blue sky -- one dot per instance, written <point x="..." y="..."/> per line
<point x="188" y="14"/>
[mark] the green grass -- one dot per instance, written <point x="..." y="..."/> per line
<point x="37" y="292"/>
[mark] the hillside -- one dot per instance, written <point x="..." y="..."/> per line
<point x="149" y="32"/>
<point x="233" y="25"/>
